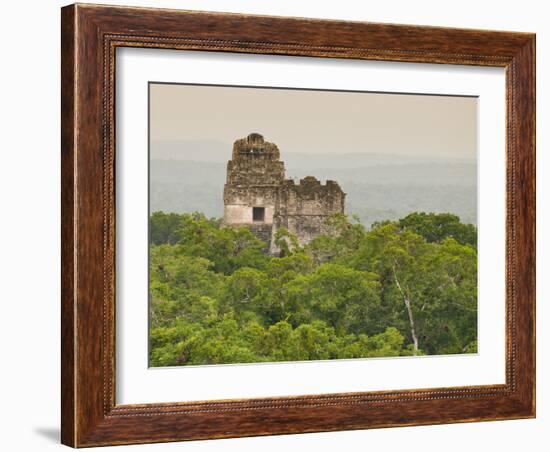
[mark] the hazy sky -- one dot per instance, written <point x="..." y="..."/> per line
<point x="317" y="121"/>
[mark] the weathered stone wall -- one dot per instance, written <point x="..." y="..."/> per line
<point x="263" y="232"/>
<point x="256" y="178"/>
<point x="253" y="176"/>
<point x="255" y="162"/>
<point x="239" y="201"/>
<point x="310" y="197"/>
<point x="303" y="209"/>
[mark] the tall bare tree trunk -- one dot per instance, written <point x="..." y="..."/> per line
<point x="409" y="311"/>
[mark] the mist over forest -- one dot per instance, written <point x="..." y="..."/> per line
<point x="188" y="176"/>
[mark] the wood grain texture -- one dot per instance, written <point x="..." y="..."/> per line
<point x="67" y="225"/>
<point x="90" y="36"/>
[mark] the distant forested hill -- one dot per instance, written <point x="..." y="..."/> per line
<point x="179" y="186"/>
<point x="373" y="193"/>
<point x="378" y="187"/>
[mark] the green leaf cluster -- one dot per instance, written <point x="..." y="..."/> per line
<point x="400" y="288"/>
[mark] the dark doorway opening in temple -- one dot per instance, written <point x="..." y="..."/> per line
<point x="258" y="214"/>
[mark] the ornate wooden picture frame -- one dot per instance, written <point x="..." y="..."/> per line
<point x="90" y="37"/>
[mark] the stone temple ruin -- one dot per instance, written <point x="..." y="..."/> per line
<point x="257" y="195"/>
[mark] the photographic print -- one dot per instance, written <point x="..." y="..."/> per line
<point x="298" y="224"/>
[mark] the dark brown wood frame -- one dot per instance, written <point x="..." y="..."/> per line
<point x="90" y="35"/>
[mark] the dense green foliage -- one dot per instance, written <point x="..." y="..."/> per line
<point x="401" y="288"/>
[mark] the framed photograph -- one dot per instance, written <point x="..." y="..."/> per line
<point x="281" y="225"/>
